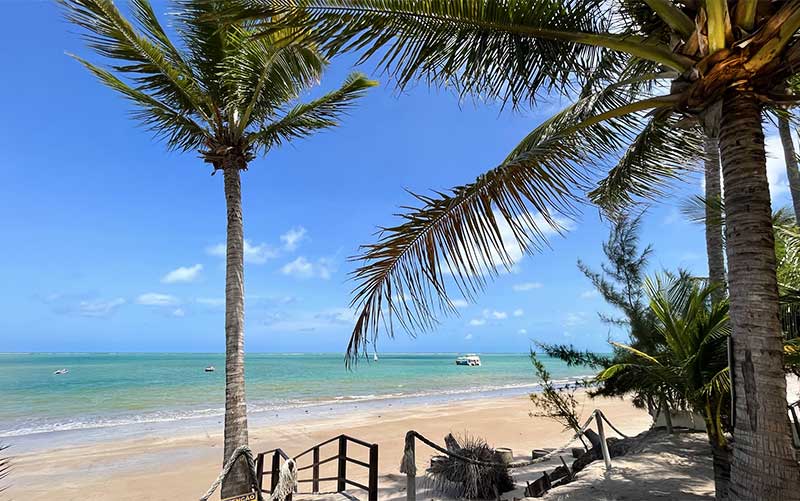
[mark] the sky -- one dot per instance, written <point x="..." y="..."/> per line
<point x="112" y="243"/>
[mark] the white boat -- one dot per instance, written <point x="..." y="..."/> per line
<point x="471" y="360"/>
<point x="375" y="357"/>
<point x="210" y="368"/>
<point x="61" y="371"/>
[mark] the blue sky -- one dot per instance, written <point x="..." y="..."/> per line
<point x="110" y="242"/>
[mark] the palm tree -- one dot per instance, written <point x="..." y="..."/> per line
<point x="690" y="369"/>
<point x="715" y="250"/>
<point x="230" y="96"/>
<point x="790" y="157"/>
<point x="724" y="63"/>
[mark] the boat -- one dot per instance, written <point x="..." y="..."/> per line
<point x="375" y="357"/>
<point x="61" y="371"/>
<point x="210" y="368"/>
<point x="471" y="360"/>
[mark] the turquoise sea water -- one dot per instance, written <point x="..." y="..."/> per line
<point x="103" y="390"/>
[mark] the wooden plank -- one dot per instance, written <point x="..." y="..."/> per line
<point x="360" y="463"/>
<point x="315" y="483"/>
<point x="373" y="473"/>
<point x="276" y="468"/>
<point x="318" y="463"/>
<point x="356" y="484"/>
<point x="342" y="474"/>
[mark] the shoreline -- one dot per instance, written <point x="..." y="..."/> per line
<point x="182" y="465"/>
<point x="48" y="440"/>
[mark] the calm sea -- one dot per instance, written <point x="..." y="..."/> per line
<point x="125" y="390"/>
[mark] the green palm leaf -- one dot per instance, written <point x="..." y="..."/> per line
<point x="662" y="152"/>
<point x="495" y="48"/>
<point x="307" y="118"/>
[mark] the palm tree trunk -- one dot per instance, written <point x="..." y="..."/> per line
<point x="714" y="247"/>
<point x="764" y="464"/>
<point x="721" y="455"/>
<point x="792" y="173"/>
<point x="235" y="404"/>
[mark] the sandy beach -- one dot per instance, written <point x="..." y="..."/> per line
<point x="182" y="467"/>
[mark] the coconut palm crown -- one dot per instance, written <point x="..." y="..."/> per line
<point x="219" y="90"/>
<point x="717" y="64"/>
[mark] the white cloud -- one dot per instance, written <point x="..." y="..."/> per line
<point x="573" y="319"/>
<point x="303" y="268"/>
<point x="499" y="315"/>
<point x="513" y="251"/>
<point x="527" y="286"/>
<point x="156" y="299"/>
<point x="460" y="303"/>
<point x="522" y="331"/>
<point x="476" y="322"/>
<point x="182" y="274"/>
<point x="776" y="168"/>
<point x="255" y="254"/>
<point x="673" y="216"/>
<point x="325" y="320"/>
<point x="468" y="337"/>
<point x="293" y="237"/>
<point x="178" y="312"/>
<point x="99" y="307"/>
<point x="519" y="312"/>
<point x="589" y="294"/>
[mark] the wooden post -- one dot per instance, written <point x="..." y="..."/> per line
<point x="411" y="476"/>
<point x="603" y="444"/>
<point x="315" y="472"/>
<point x="260" y="471"/>
<point x="276" y="471"/>
<point x="341" y="485"/>
<point x="373" y="472"/>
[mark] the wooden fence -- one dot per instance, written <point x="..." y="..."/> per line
<point x="278" y="457"/>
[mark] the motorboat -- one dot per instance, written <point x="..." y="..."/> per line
<point x="470" y="360"/>
<point x="59" y="372"/>
<point x="210" y="368"/>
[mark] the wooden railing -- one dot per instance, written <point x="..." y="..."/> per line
<point x="342" y="459"/>
<point x="793" y="412"/>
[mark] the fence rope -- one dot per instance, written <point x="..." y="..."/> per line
<point x="408" y="465"/>
<point x="287" y="481"/>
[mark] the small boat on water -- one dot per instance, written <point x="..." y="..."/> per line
<point x="375" y="357"/>
<point x="470" y="360"/>
<point x="210" y="368"/>
<point x="61" y="371"/>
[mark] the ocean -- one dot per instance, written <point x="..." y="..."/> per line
<point x="150" y="392"/>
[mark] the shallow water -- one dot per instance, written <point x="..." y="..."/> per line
<point x="124" y="389"/>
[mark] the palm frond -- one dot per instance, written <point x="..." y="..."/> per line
<point x="456" y="236"/>
<point x="149" y="59"/>
<point x="264" y="76"/>
<point x="663" y="152"/>
<point x="305" y="119"/>
<point x="495" y="48"/>
<point x="178" y="129"/>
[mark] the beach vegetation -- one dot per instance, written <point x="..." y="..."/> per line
<point x="461" y="480"/>
<point x="689" y="369"/>
<point x="216" y="89"/>
<point x="556" y="402"/>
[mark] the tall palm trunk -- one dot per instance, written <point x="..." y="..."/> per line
<point x="792" y="173"/>
<point x="235" y="404"/>
<point x="764" y="464"/>
<point x="714" y="247"/>
<point x="716" y="275"/>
